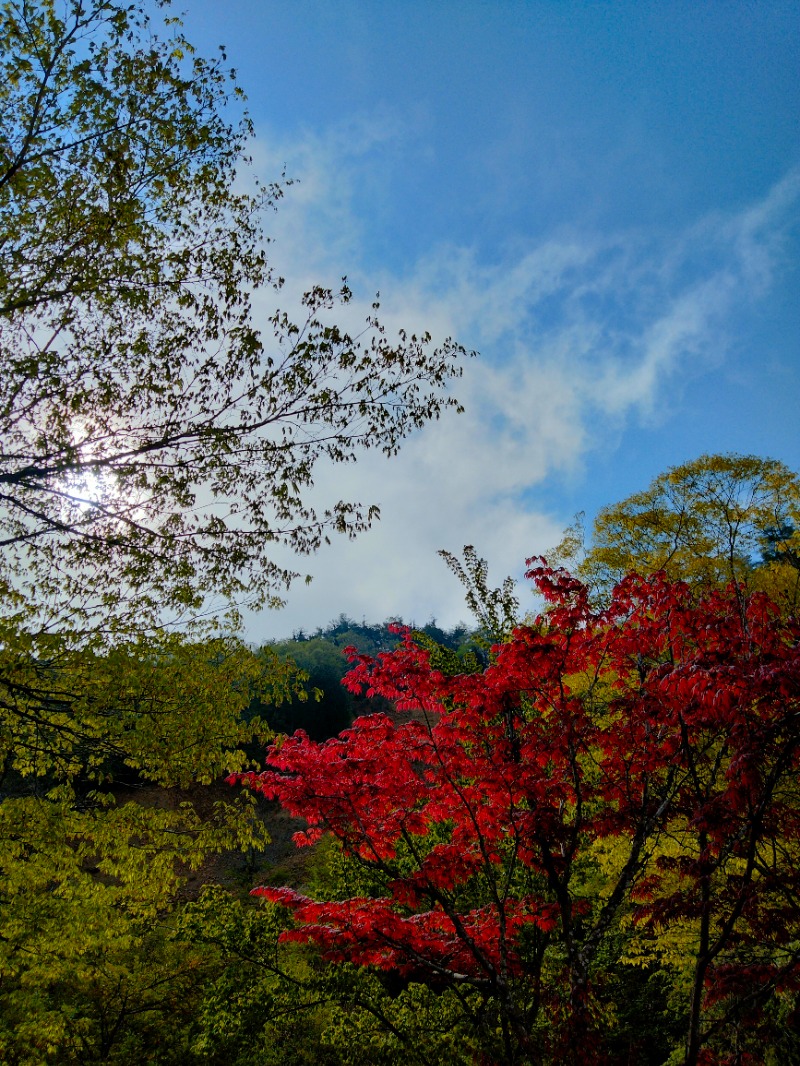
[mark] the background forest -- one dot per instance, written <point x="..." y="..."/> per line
<point x="568" y="835"/>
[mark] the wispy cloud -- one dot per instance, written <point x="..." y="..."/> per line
<point x="578" y="334"/>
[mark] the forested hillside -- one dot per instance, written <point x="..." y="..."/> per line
<point x="322" y="657"/>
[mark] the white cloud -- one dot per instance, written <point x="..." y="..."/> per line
<point x="577" y="334"/>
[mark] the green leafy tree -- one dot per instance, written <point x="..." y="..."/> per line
<point x="717" y="519"/>
<point x="92" y="852"/>
<point x="268" y="1002"/>
<point x="158" y="447"/>
<point x="496" y="610"/>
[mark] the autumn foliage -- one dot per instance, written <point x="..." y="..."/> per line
<point x="622" y="777"/>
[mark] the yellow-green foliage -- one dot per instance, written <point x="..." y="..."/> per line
<point x="169" y="707"/>
<point x="709" y="521"/>
<point x="88" y="882"/>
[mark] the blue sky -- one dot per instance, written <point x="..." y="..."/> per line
<point x="602" y="198"/>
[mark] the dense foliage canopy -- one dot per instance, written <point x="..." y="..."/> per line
<point x="716" y="519"/>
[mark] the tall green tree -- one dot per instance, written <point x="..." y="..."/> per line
<point x="717" y="519"/>
<point x="157" y="446"/>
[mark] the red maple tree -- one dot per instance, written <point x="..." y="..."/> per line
<point x="636" y="763"/>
